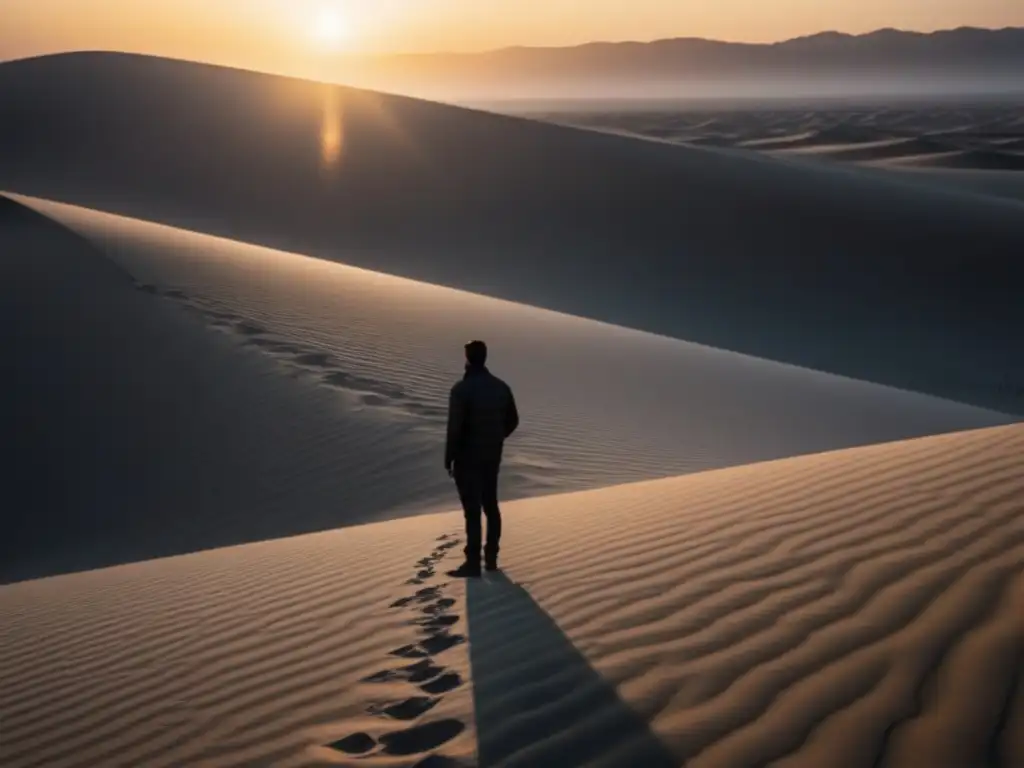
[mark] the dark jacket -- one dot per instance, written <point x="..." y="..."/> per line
<point x="481" y="414"/>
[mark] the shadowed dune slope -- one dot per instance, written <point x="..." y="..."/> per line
<point x="172" y="391"/>
<point x="849" y="609"/>
<point x="849" y="273"/>
<point x="1004" y="184"/>
<point x="134" y="432"/>
<point x="979" y="160"/>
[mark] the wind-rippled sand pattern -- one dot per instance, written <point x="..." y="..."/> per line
<point x="240" y="656"/>
<point x="602" y="405"/>
<point x="856" y="608"/>
<point x="851" y="609"/>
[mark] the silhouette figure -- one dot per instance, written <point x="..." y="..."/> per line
<point x="481" y="414"/>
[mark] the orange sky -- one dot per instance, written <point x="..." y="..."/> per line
<point x="281" y="35"/>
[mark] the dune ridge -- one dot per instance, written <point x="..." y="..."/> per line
<point x="335" y="381"/>
<point x="859" y="607"/>
<point x="684" y="241"/>
<point x="138" y="433"/>
<point x="960" y="144"/>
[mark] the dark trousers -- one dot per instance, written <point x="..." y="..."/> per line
<point x="478" y="491"/>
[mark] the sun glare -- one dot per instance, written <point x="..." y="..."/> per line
<point x="331" y="27"/>
<point x="331" y="132"/>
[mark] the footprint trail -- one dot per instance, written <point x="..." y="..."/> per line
<point x="406" y="726"/>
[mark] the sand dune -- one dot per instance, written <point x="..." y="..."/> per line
<point x="824" y="138"/>
<point x="980" y="136"/>
<point x="975" y="159"/>
<point x="334" y="382"/>
<point x="857" y="608"/>
<point x="695" y="574"/>
<point x="1005" y="184"/>
<point x="872" y="151"/>
<point x="1012" y="144"/>
<point x="855" y="274"/>
<point x="135" y="432"/>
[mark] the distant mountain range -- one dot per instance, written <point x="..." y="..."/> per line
<point x="963" y="54"/>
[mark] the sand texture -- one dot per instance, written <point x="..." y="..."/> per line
<point x="223" y="393"/>
<point x="765" y="508"/>
<point x="856" y="608"/>
<point x="785" y="258"/>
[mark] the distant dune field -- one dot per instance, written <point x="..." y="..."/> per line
<point x="806" y="263"/>
<point x="975" y="146"/>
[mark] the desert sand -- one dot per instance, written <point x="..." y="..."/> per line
<point x="233" y="393"/>
<point x="863" y="275"/>
<point x="975" y="146"/>
<point x="228" y="353"/>
<point x="770" y="611"/>
<point x="857" y="608"/>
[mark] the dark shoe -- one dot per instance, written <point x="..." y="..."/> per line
<point x="466" y="571"/>
<point x="491" y="564"/>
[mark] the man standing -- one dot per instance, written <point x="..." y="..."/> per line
<point x="481" y="414"/>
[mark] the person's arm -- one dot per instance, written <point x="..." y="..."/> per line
<point x="456" y="423"/>
<point x="511" y="414"/>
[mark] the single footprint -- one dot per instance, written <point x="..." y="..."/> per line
<point x="421" y="671"/>
<point x="315" y="359"/>
<point x="276" y="347"/>
<point x="446" y="682"/>
<point x="384" y="676"/>
<point x="409" y="652"/>
<point x="421" y="738"/>
<point x="355" y="744"/>
<point x="409" y="709"/>
<point x="440" y="761"/>
<point x="425" y="410"/>
<point x="441" y="642"/>
<point x="438" y="607"/>
<point x="437" y="621"/>
<point x="422" y="596"/>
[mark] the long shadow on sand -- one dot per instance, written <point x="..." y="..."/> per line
<point x="538" y="701"/>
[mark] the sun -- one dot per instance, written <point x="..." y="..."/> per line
<point x="331" y="27"/>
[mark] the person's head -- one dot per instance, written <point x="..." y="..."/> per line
<point x="476" y="353"/>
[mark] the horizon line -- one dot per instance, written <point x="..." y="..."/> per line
<point x="720" y="41"/>
<point x="576" y="46"/>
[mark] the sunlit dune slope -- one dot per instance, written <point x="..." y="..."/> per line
<point x="173" y="391"/>
<point x="838" y="271"/>
<point x="849" y="609"/>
